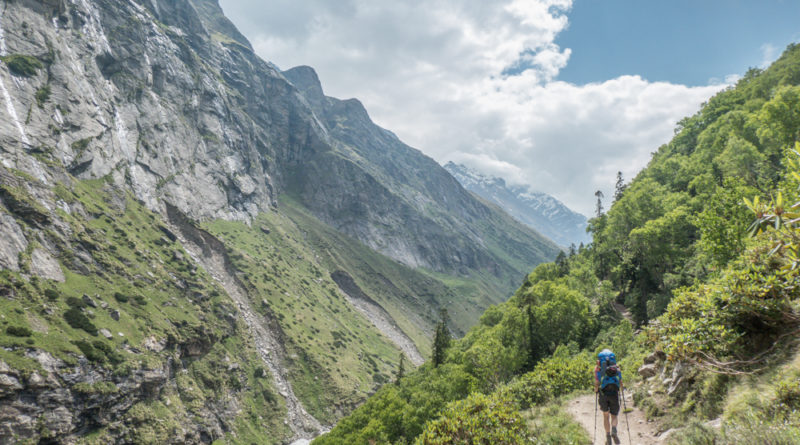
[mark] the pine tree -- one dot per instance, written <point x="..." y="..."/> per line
<point x="599" y="195"/>
<point x="401" y="368"/>
<point x="535" y="349"/>
<point x="619" y="188"/>
<point x="441" y="339"/>
<point x="561" y="263"/>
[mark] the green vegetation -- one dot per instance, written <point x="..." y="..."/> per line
<point x="42" y="95"/>
<point x="550" y="425"/>
<point x="674" y="250"/>
<point x="131" y="262"/>
<point x="477" y="419"/>
<point x="336" y="356"/>
<point x="22" y="65"/>
<point x="18" y="331"/>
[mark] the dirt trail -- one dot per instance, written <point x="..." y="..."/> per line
<point x="642" y="431"/>
<point x="623" y="311"/>
<point x="201" y="247"/>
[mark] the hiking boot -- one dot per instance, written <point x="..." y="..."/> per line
<point x="614" y="436"/>
<point x="608" y="438"/>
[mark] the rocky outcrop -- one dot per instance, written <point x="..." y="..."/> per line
<point x="167" y="99"/>
<point x="62" y="401"/>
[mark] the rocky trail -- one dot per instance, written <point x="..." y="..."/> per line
<point x="642" y="432"/>
<point x="304" y="426"/>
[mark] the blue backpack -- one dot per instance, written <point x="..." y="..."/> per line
<point x="610" y="375"/>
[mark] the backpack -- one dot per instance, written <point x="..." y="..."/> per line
<point x="609" y="372"/>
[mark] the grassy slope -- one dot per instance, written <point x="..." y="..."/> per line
<point x="336" y="356"/>
<point x="167" y="299"/>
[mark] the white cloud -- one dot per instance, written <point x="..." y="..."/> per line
<point x="769" y="53"/>
<point x="473" y="81"/>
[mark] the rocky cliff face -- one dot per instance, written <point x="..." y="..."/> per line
<point x="129" y="127"/>
<point x="538" y="210"/>
<point x="399" y="201"/>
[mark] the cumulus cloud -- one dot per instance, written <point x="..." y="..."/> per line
<point x="476" y="82"/>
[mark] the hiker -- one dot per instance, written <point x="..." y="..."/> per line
<point x="607" y="385"/>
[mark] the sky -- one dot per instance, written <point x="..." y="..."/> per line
<point x="556" y="94"/>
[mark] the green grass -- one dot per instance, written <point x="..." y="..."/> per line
<point x="335" y="355"/>
<point x="22" y="65"/>
<point x="42" y="95"/>
<point x="167" y="298"/>
<point x="550" y="425"/>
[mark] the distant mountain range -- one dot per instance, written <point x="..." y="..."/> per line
<point x="542" y="212"/>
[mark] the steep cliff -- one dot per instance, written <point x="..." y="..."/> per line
<point x="190" y="234"/>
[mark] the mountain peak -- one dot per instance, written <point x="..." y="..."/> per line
<point x="538" y="210"/>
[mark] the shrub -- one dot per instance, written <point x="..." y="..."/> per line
<point x="122" y="298"/>
<point x="108" y="351"/>
<point x="51" y="294"/>
<point x="18" y="331"/>
<point x="787" y="394"/>
<point x="552" y="377"/>
<point x="42" y="94"/>
<point x="75" y="318"/>
<point x="102" y="388"/>
<point x="477" y="420"/>
<point x="22" y="65"/>
<point x="75" y="302"/>
<point x="92" y="354"/>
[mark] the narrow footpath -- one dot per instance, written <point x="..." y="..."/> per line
<point x="642" y="431"/>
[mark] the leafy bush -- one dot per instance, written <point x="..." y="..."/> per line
<point x="18" y="331"/>
<point x="552" y="377"/>
<point x="22" y="65"/>
<point x="51" y="294"/>
<point x="75" y="318"/>
<point x="398" y="413"/>
<point x="479" y="419"/>
<point x="751" y="429"/>
<point x="122" y="298"/>
<point x="108" y="351"/>
<point x="42" y="94"/>
<point x="102" y="388"/>
<point x="74" y="302"/>
<point x="92" y="354"/>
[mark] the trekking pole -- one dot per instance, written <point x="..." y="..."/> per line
<point x="625" y="410"/>
<point x="596" y="402"/>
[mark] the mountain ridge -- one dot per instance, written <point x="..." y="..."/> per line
<point x="538" y="210"/>
<point x="174" y="213"/>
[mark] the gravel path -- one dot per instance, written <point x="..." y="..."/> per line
<point x="642" y="431"/>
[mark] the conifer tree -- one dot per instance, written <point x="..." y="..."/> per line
<point x="401" y="368"/>
<point x="441" y="338"/>
<point x="535" y="347"/>
<point x="619" y="188"/>
<point x="599" y="195"/>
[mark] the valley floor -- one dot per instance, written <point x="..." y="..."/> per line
<point x="642" y="432"/>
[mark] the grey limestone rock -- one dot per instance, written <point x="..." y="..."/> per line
<point x="11" y="243"/>
<point x="648" y="370"/>
<point x="44" y="265"/>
